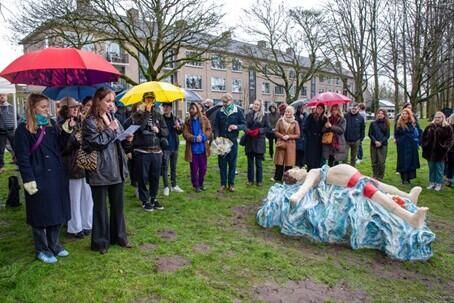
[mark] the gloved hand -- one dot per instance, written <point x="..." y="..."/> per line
<point x="31" y="187"/>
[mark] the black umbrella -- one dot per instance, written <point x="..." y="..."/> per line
<point x="298" y="103"/>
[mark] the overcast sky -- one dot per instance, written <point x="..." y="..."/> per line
<point x="233" y="8"/>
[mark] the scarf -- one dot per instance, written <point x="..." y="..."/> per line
<point x="41" y="120"/>
<point x="287" y="122"/>
<point x="228" y="108"/>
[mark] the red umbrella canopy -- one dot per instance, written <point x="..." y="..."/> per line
<point x="60" y="67"/>
<point x="329" y="98"/>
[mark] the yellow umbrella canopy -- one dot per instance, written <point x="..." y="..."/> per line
<point x="163" y="91"/>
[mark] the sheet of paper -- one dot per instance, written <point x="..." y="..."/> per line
<point x="130" y="130"/>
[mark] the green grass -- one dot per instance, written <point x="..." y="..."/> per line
<point x="242" y="255"/>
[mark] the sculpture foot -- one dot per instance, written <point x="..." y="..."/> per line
<point x="418" y="218"/>
<point x="414" y="194"/>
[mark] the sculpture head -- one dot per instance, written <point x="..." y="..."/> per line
<point x="295" y="175"/>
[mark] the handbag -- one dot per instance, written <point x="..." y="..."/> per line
<point x="87" y="161"/>
<point x="281" y="144"/>
<point x="327" y="138"/>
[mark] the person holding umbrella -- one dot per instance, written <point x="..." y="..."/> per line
<point x="45" y="182"/>
<point x="229" y="121"/>
<point x="99" y="132"/>
<point x="149" y="141"/>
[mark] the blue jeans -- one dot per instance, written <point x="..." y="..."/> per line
<point x="230" y="161"/>
<point x="436" y="170"/>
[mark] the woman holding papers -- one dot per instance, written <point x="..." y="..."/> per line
<point x="99" y="132"/>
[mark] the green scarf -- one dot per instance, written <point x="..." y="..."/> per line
<point x="228" y="108"/>
<point x="41" y="120"/>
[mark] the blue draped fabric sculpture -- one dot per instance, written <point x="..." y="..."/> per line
<point x="341" y="214"/>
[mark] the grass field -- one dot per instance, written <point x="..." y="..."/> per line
<point x="221" y="255"/>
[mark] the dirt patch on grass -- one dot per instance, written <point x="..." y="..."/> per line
<point x="202" y="248"/>
<point x="307" y="291"/>
<point x="171" y="263"/>
<point x="148" y="246"/>
<point x="167" y="234"/>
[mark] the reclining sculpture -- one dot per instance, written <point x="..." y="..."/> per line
<point x="339" y="205"/>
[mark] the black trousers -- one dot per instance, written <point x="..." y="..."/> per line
<point x="6" y="135"/>
<point x="47" y="239"/>
<point x="148" y="171"/>
<point x="172" y="157"/>
<point x="258" y="159"/>
<point x="271" y="140"/>
<point x="279" y="172"/>
<point x="108" y="231"/>
<point x="299" y="158"/>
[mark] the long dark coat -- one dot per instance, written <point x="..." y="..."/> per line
<point x="436" y="142"/>
<point x="256" y="144"/>
<point x="313" y="141"/>
<point x="407" y="148"/>
<point x="50" y="205"/>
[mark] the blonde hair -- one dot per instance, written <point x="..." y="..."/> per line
<point x="227" y="97"/>
<point x="32" y="100"/>
<point x="444" y="122"/>
<point x="411" y="118"/>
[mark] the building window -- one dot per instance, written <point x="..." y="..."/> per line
<point x="266" y="104"/>
<point x="303" y="91"/>
<point x="217" y="84"/>
<point x="91" y="47"/>
<point x="266" y="88"/>
<point x="193" y="82"/>
<point x="236" y="86"/>
<point x="196" y="60"/>
<point x="237" y="65"/>
<point x="169" y="57"/>
<point x="320" y="91"/>
<point x="278" y="90"/>
<point x="291" y="74"/>
<point x="337" y="80"/>
<point x="237" y="101"/>
<point x="321" y="78"/>
<point x="217" y="62"/>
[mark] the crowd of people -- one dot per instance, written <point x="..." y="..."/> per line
<point x="71" y="167"/>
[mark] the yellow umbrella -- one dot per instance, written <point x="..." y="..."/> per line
<point x="163" y="91"/>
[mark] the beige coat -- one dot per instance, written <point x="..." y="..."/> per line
<point x="287" y="156"/>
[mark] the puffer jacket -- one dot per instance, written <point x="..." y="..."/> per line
<point x="111" y="163"/>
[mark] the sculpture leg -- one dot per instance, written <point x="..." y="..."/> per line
<point x="416" y="219"/>
<point x="312" y="178"/>
<point x="413" y="195"/>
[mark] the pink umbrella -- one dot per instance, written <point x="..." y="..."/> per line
<point x="60" y="67"/>
<point x="329" y="98"/>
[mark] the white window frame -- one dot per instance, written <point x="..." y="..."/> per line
<point x="198" y="77"/>
<point x="238" y="84"/>
<point x="218" y="90"/>
<point x="263" y="88"/>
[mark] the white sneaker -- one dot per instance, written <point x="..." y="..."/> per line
<point x="166" y="191"/>
<point x="358" y="161"/>
<point x="431" y="185"/>
<point x="437" y="187"/>
<point x="177" y="189"/>
<point x="272" y="179"/>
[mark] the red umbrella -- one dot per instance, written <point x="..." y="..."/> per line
<point x="60" y="67"/>
<point x="329" y="98"/>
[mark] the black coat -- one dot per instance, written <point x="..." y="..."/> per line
<point x="255" y="144"/>
<point x="111" y="166"/>
<point x="355" y="127"/>
<point x="50" y="205"/>
<point x="313" y="141"/>
<point x="407" y="148"/>
<point x="144" y="137"/>
<point x="436" y="142"/>
<point x="69" y="145"/>
<point x="379" y="132"/>
<point x="222" y="122"/>
<point x="301" y="119"/>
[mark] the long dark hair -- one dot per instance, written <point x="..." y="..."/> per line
<point x="385" y="113"/>
<point x="95" y="111"/>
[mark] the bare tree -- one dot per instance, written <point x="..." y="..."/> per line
<point x="348" y="40"/>
<point x="289" y="45"/>
<point x="153" y="32"/>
